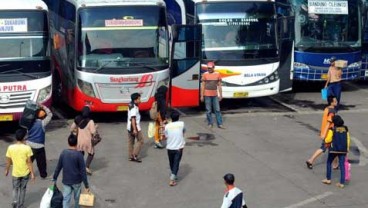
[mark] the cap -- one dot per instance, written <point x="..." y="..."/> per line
<point x="332" y="59"/>
<point x="211" y="64"/>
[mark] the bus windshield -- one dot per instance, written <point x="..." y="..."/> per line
<point x="23" y="35"/>
<point x="123" y="37"/>
<point x="323" y="26"/>
<point x="238" y="30"/>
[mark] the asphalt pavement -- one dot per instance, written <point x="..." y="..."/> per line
<point x="265" y="150"/>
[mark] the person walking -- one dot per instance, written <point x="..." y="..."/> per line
<point x="19" y="155"/>
<point x="339" y="139"/>
<point x="233" y="197"/>
<point x="211" y="94"/>
<point x="36" y="139"/>
<point x="134" y="128"/>
<point x="174" y="132"/>
<point x="85" y="128"/>
<point x="71" y="161"/>
<point x="160" y="97"/>
<point x="328" y="114"/>
<point x="333" y="82"/>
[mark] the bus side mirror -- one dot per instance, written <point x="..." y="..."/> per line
<point x="56" y="41"/>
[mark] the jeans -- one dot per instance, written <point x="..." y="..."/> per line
<point x="330" y="158"/>
<point x="213" y="102"/>
<point x="19" y="190"/>
<point x="67" y="194"/>
<point x="335" y="90"/>
<point x="40" y="156"/>
<point x="174" y="159"/>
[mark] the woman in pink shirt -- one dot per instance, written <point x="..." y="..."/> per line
<point x="85" y="128"/>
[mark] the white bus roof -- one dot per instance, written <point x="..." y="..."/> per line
<point x="204" y="1"/>
<point x="22" y="5"/>
<point x="87" y="3"/>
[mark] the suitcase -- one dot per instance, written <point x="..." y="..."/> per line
<point x="29" y="114"/>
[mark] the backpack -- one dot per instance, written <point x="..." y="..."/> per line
<point x="29" y="115"/>
<point x="153" y="111"/>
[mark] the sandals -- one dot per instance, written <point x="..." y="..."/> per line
<point x="135" y="158"/>
<point x="309" y="165"/>
<point x="172" y="183"/>
<point x="326" y="181"/>
<point x="339" y="185"/>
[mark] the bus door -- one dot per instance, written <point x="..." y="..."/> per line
<point x="185" y="65"/>
<point x="285" y="21"/>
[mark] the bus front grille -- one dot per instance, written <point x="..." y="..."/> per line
<point x="120" y="93"/>
<point x="15" y="99"/>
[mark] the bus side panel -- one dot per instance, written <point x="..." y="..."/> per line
<point x="185" y="88"/>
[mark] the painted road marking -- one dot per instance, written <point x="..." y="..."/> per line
<point x="363" y="156"/>
<point x="310" y="200"/>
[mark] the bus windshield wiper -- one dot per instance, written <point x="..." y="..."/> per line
<point x="107" y="63"/>
<point x="19" y="72"/>
<point x="145" y="66"/>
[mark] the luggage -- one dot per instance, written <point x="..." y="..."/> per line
<point x="29" y="114"/>
<point x="57" y="198"/>
<point x="153" y="111"/>
<point x="86" y="199"/>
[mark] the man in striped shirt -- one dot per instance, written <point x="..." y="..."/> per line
<point x="233" y="197"/>
<point x="211" y="94"/>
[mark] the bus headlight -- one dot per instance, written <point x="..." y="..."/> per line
<point x="300" y="65"/>
<point x="270" y="78"/>
<point x="44" y="94"/>
<point x="86" y="88"/>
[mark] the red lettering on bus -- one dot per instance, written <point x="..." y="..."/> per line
<point x="10" y="88"/>
<point x="146" y="80"/>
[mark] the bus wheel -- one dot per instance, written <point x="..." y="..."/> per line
<point x="57" y="89"/>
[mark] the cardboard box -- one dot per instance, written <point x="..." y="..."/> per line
<point x="341" y="63"/>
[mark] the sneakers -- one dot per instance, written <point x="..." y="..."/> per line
<point x="210" y="126"/>
<point x="158" y="145"/>
<point x="221" y="127"/>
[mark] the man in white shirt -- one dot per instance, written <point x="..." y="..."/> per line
<point x="174" y="133"/>
<point x="134" y="128"/>
<point x="233" y="197"/>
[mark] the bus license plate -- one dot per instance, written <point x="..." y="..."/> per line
<point x="324" y="76"/>
<point x="122" y="108"/>
<point x="6" y="117"/>
<point x="240" y="94"/>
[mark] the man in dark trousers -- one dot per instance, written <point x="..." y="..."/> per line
<point x="74" y="172"/>
<point x="36" y="139"/>
<point x="233" y="197"/>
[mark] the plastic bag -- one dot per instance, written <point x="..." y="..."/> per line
<point x="324" y="93"/>
<point x="151" y="129"/>
<point x="347" y="169"/>
<point x="46" y="198"/>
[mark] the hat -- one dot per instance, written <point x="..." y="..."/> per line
<point x="211" y="64"/>
<point x="332" y="59"/>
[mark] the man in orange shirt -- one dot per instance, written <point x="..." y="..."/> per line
<point x="326" y="124"/>
<point x="211" y="94"/>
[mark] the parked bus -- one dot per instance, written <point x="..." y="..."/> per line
<point x="243" y="38"/>
<point x="364" y="71"/>
<point x="106" y="50"/>
<point x="25" y="68"/>
<point x="324" y="29"/>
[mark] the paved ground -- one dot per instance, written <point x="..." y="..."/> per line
<point x="266" y="150"/>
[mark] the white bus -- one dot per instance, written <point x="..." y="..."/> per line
<point x="106" y="50"/>
<point x="25" y="68"/>
<point x="245" y="39"/>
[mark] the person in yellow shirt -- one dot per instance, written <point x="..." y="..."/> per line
<point x="19" y="155"/>
<point x="338" y="140"/>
